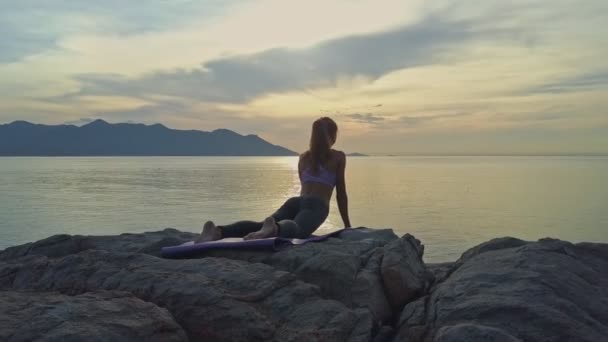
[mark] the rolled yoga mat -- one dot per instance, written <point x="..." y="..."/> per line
<point x="191" y="249"/>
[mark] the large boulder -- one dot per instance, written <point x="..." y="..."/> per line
<point x="404" y="274"/>
<point x="369" y="269"/>
<point x="363" y="268"/>
<point x="365" y="285"/>
<point x="64" y="244"/>
<point x="511" y="290"/>
<point x="93" y="316"/>
<point x="213" y="299"/>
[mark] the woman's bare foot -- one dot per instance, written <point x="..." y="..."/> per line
<point x="210" y="233"/>
<point x="269" y="229"/>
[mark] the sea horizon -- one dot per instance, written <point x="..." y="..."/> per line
<point x="347" y="153"/>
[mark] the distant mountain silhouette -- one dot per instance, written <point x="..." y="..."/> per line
<point x="357" y="154"/>
<point x="99" y="138"/>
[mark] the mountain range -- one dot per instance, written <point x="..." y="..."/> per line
<point x="100" y="138"/>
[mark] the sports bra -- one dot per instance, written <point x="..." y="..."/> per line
<point x="324" y="176"/>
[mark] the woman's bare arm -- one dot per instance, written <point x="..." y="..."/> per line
<point x="301" y="165"/>
<point x="341" y="196"/>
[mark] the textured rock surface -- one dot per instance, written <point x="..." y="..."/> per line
<point x="366" y="285"/>
<point x="212" y="299"/>
<point x="95" y="316"/>
<point x="472" y="332"/>
<point x="404" y="275"/>
<point x="62" y="245"/>
<point x="511" y="290"/>
<point x="352" y="270"/>
<point x="349" y="269"/>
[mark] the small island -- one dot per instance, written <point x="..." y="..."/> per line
<point x="100" y="138"/>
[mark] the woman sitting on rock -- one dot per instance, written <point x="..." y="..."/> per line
<point x="320" y="169"/>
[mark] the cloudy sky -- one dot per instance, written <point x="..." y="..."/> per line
<point x="399" y="77"/>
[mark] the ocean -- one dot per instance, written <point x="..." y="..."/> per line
<point x="449" y="203"/>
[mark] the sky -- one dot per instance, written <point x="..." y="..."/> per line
<point x="399" y="77"/>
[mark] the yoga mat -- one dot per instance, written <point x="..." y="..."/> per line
<point x="191" y="249"/>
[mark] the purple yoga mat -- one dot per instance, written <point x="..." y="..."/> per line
<point x="191" y="249"/>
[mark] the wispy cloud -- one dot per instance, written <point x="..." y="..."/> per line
<point x="588" y="81"/>
<point x="417" y="120"/>
<point x="369" y="118"/>
<point x="243" y="78"/>
<point x="32" y="26"/>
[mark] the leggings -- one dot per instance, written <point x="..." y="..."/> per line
<point x="297" y="218"/>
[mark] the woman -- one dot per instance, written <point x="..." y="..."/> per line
<point x="320" y="169"/>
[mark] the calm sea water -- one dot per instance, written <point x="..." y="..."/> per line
<point x="450" y="203"/>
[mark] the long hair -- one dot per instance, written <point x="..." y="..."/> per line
<point x="323" y="130"/>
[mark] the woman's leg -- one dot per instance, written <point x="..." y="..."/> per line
<point x="240" y="229"/>
<point x="311" y="216"/>
<point x="269" y="228"/>
<point x="210" y="233"/>
<point x="288" y="210"/>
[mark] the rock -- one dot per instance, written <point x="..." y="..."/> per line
<point x="385" y="334"/>
<point x="440" y="271"/>
<point x="367" y="290"/>
<point x="412" y="322"/>
<point x="472" y="332"/>
<point x="350" y="269"/>
<point x="62" y="245"/>
<point x="93" y="316"/>
<point x="382" y="236"/>
<point x="213" y="299"/>
<point x="363" y="268"/>
<point x="365" y="285"/>
<point x="404" y="274"/>
<point x="334" y="266"/>
<point x="509" y="290"/>
<point x="492" y="245"/>
<point x="598" y="250"/>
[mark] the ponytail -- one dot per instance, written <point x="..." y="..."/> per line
<point x="323" y="130"/>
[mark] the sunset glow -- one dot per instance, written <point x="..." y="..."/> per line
<point x="399" y="77"/>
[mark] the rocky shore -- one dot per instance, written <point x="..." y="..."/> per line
<point x="365" y="285"/>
